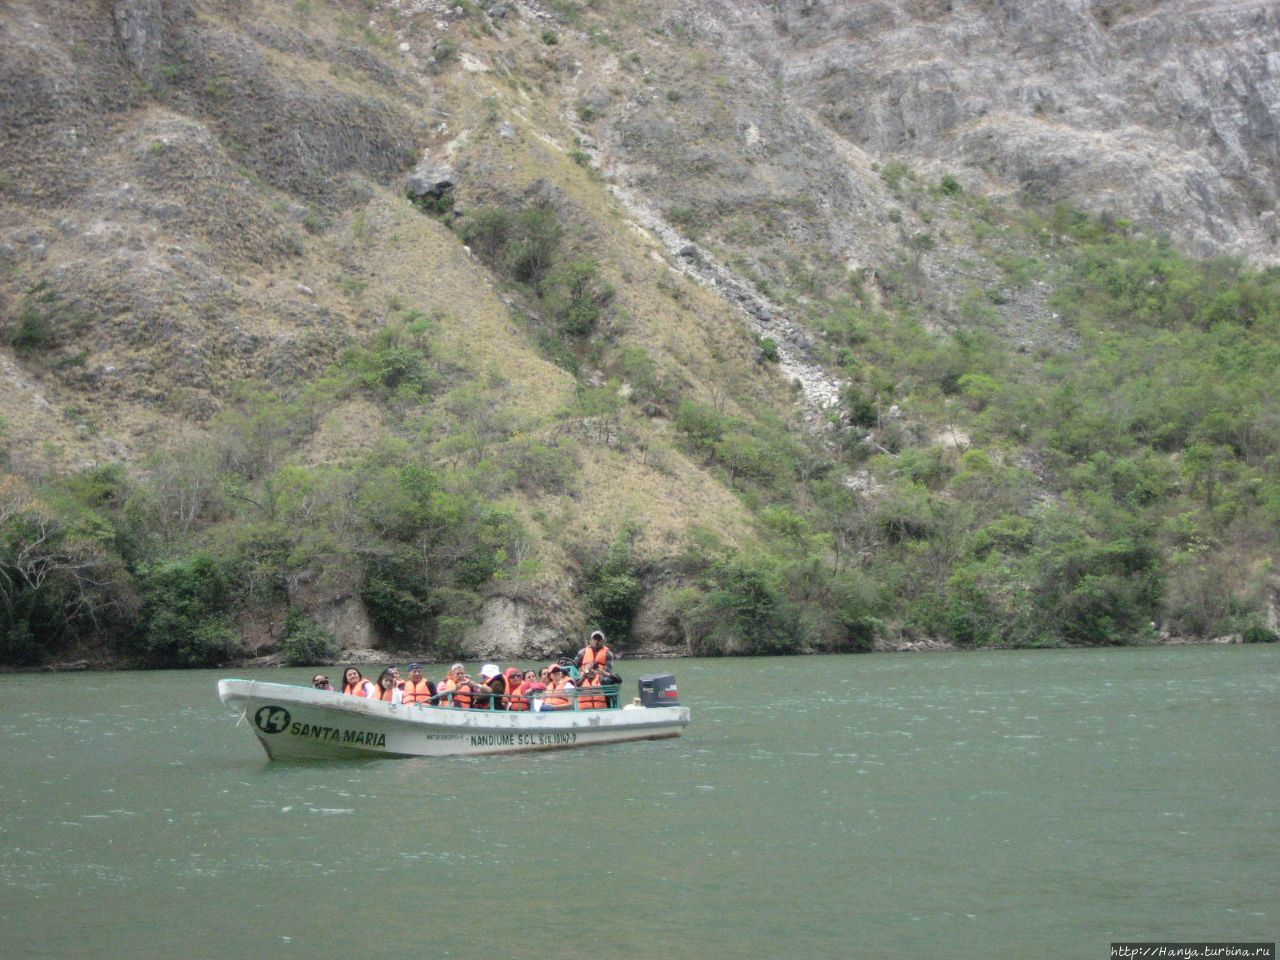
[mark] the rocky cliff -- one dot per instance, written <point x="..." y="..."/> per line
<point x="583" y="260"/>
<point x="1161" y="112"/>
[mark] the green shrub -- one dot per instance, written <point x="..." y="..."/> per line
<point x="396" y="363"/>
<point x="1100" y="592"/>
<point x="839" y="612"/>
<point x="397" y="600"/>
<point x="36" y="331"/>
<point x="18" y="644"/>
<point x="649" y="388"/>
<point x="306" y="642"/>
<point x="894" y="172"/>
<point x="927" y="466"/>
<point x="702" y="426"/>
<point x="578" y="296"/>
<point x="749" y="455"/>
<point x="949" y="186"/>
<point x="612" y="588"/>
<point x="436" y="203"/>
<point x="610" y="598"/>
<point x="524" y="244"/>
<point x="445" y="50"/>
<point x="859" y="406"/>
<point x="740" y="611"/>
<point x="533" y="244"/>
<point x="1257" y="634"/>
<point x="185" y="613"/>
<point x="487" y="231"/>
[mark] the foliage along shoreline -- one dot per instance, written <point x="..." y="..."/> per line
<point x="360" y="658"/>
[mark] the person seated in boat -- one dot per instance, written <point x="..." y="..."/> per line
<point x="588" y="696"/>
<point x="321" y="682"/>
<point x="457" y="689"/>
<point x="417" y="688"/>
<point x="388" y="692"/>
<point x="355" y="684"/>
<point x="492" y="690"/>
<point x="595" y="652"/>
<point x="559" y="689"/>
<point x="395" y="674"/>
<point x="513" y="679"/>
<point x="531" y="688"/>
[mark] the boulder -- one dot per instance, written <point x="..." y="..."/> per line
<point x="429" y="179"/>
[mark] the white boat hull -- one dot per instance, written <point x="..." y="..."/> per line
<point x="301" y="723"/>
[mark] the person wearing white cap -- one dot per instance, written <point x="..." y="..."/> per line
<point x="595" y="652"/>
<point x="496" y="685"/>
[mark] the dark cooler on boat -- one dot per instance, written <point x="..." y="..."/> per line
<point x="659" y="690"/>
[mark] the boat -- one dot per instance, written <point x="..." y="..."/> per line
<point x="294" y="722"/>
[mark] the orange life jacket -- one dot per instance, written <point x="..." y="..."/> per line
<point x="359" y="689"/>
<point x="590" y="701"/>
<point x="553" y="687"/>
<point x="387" y="696"/>
<point x="514" y="700"/>
<point x="459" y="697"/>
<point x="599" y="657"/>
<point x="419" y="692"/>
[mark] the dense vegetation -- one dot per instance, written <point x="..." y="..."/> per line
<point x="1090" y="495"/>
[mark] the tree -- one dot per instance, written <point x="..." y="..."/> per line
<point x="57" y="577"/>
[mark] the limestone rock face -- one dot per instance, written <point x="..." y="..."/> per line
<point x="1163" y="111"/>
<point x="512" y="630"/>
<point x="337" y="609"/>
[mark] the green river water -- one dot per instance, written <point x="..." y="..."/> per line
<point x="982" y="805"/>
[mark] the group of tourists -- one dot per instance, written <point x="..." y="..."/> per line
<point x="565" y="685"/>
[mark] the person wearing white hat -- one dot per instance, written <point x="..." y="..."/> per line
<point x="595" y="652"/>
<point x="496" y="685"/>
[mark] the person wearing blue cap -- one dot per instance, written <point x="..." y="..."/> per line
<point x="417" y="688"/>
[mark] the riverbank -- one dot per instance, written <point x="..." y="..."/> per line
<point x="365" y="656"/>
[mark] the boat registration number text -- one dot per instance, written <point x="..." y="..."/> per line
<point x="522" y="739"/>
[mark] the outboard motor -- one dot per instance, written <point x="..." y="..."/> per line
<point x="659" y="690"/>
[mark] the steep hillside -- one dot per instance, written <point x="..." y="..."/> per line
<point x="450" y="328"/>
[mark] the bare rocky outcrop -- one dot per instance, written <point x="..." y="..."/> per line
<point x="333" y="606"/>
<point x="430" y="179"/>
<point x="141" y="27"/>
<point x="1161" y="111"/>
<point x="820" y="391"/>
<point x="512" y="629"/>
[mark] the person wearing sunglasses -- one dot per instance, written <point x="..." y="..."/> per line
<point x="321" y="682"/>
